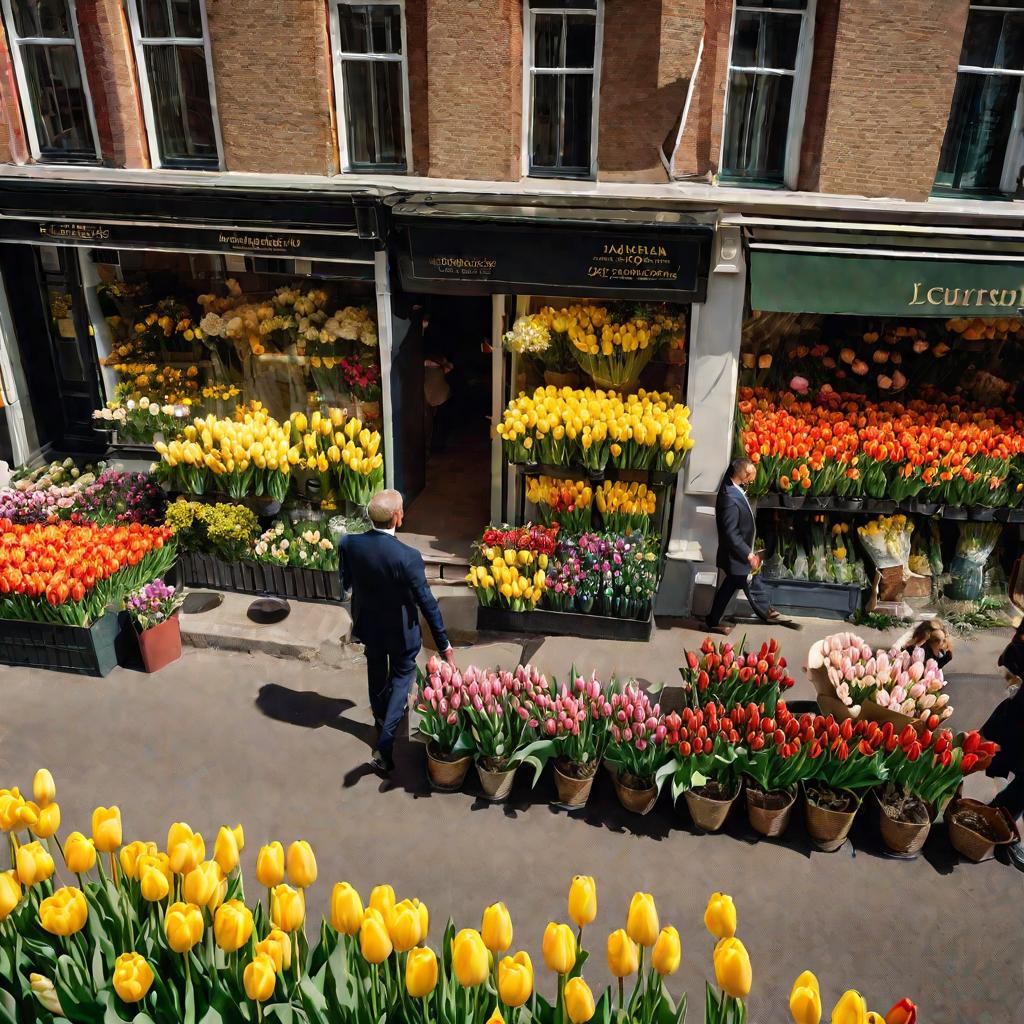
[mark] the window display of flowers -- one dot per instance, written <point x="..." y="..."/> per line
<point x="533" y="336"/>
<point x="141" y="420"/>
<point x="152" y="604"/>
<point x="361" y="378"/>
<point x="566" y="502"/>
<point x="345" y="454"/>
<point x="729" y="675"/>
<point x="625" y="507"/>
<point x="67" y="574"/>
<point x="305" y="545"/>
<point x="592" y="429"/>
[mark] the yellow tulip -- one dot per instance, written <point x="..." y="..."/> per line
<point x="200" y="884"/>
<point x="579" y="1001"/>
<point x="44" y="789"/>
<point x="469" y="958"/>
<point x="33" y="863"/>
<point x="582" y="891"/>
<point x="805" y="1000"/>
<point x="133" y="977"/>
<point x="106" y="829"/>
<point x="374" y="941"/>
<point x="642" y="920"/>
<point x="185" y="848"/>
<point x="130" y="854"/>
<point x="10" y="893"/>
<point x="420" y="972"/>
<point x="559" y="948"/>
<point x="270" y="865"/>
<point x="515" y="979"/>
<point x="278" y="947"/>
<point x="496" y="928"/>
<point x="851" y="1009"/>
<point x="65" y="912"/>
<point x="404" y="927"/>
<point x="227" y="846"/>
<point x="495" y="1017"/>
<point x="346" y="909"/>
<point x="48" y="822"/>
<point x="232" y="925"/>
<point x="667" y="952"/>
<point x="424" y="916"/>
<point x="301" y="864"/>
<point x="43" y="989"/>
<point x="720" y="916"/>
<point x="155" y="876"/>
<point x="382" y="899"/>
<point x="259" y="978"/>
<point x="183" y="926"/>
<point x="622" y="954"/>
<point x="732" y="968"/>
<point x="287" y="908"/>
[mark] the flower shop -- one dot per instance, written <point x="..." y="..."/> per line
<point x="590" y="426"/>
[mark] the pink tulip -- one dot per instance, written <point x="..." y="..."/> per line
<point x="917" y="690"/>
<point x="641" y="744"/>
<point x="799" y="385"/>
<point x="660" y="733"/>
<point x="627" y="734"/>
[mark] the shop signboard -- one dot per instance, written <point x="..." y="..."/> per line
<point x="658" y="262"/>
<point x="889" y="285"/>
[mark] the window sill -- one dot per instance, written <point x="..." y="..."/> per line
<point x="566" y="174"/>
<point x="67" y="160"/>
<point x="376" y="169"/>
<point x="189" y="165"/>
<point x="734" y="181"/>
<point x="940" y="192"/>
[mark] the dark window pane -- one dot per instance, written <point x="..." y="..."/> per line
<point x="354" y="24"/>
<point x="373" y="113"/>
<point x="757" y="126"/>
<point x="582" y="5"/>
<point x="42" y="18"/>
<point x="188" y="19"/>
<point x="370" y="28"/>
<point x="994" y="40"/>
<point x="180" y="92"/>
<point x="546" y="116"/>
<point x="576" y="131"/>
<point x="579" y="40"/>
<point x="562" y="107"/>
<point x="386" y="29"/>
<point x="974" y="149"/>
<point x="58" y="100"/>
<point x="783" y="5"/>
<point x="153" y="19"/>
<point x="765" y="40"/>
<point x="547" y="46"/>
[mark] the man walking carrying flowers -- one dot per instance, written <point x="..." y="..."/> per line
<point x="388" y="585"/>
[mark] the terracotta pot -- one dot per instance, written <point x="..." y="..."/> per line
<point x="903" y="837"/>
<point x="445" y="774"/>
<point x="637" y="800"/>
<point x="828" y="829"/>
<point x="160" y="645"/>
<point x="572" y="791"/>
<point x="496" y="785"/>
<point x="770" y="821"/>
<point x="708" y="814"/>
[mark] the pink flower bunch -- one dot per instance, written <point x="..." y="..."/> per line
<point x="575" y="719"/>
<point x="441" y="696"/>
<point x="637" y="733"/>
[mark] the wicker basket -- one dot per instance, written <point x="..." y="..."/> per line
<point x="972" y="845"/>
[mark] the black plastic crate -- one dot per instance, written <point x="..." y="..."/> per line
<point x="85" y="650"/>
<point x="257" y="578"/>
<point x="552" y="623"/>
<point x="822" y="600"/>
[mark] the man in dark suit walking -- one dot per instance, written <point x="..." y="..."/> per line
<point x="388" y="586"/>
<point x="736" y="556"/>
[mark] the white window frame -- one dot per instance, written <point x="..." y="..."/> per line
<point x="338" y="57"/>
<point x="530" y="11"/>
<point x="1014" y="155"/>
<point x="16" y="43"/>
<point x="139" y="43"/>
<point x="800" y="74"/>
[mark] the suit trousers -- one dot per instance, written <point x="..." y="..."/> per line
<point x="752" y="586"/>
<point x="390" y="676"/>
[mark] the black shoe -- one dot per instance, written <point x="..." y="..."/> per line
<point x="1012" y="855"/>
<point x="382" y="763"/>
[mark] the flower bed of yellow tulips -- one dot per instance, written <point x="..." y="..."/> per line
<point x="593" y="429"/>
<point x="164" y="936"/>
<point x="344" y="453"/>
<point x="249" y="454"/>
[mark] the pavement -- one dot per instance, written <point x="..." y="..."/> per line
<point x="280" y="744"/>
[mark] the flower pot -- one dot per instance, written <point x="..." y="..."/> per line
<point x="160" y="645"/>
<point x="496" y="784"/>
<point x="924" y="508"/>
<point x="635" y="794"/>
<point x="446" y="772"/>
<point x="561" y="380"/>
<point x="904" y="838"/>
<point x="792" y="500"/>
<point x="981" y="514"/>
<point x="769" y="811"/>
<point x="954" y="512"/>
<point x="707" y="812"/>
<point x="975" y="829"/>
<point x="816" y="503"/>
<point x="573" y="787"/>
<point x="828" y="827"/>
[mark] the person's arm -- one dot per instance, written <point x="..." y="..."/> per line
<point x="426" y="602"/>
<point x="730" y="531"/>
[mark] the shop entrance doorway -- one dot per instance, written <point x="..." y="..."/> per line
<point x="446" y="517"/>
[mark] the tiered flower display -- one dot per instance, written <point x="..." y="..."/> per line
<point x="344" y="453"/>
<point x="593" y="429"/>
<point x="566" y="502"/>
<point x="626" y="507"/>
<point x="621" y="507"/>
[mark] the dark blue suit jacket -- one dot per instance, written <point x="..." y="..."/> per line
<point x="736" y="529"/>
<point x="388" y="584"/>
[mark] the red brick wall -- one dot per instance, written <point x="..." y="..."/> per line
<point x="826" y="24"/>
<point x="892" y="84"/>
<point x="419" y="84"/>
<point x="474" y="88"/>
<point x="649" y="51"/>
<point x="272" y="71"/>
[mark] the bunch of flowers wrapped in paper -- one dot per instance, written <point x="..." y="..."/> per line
<point x="974" y="547"/>
<point x="250" y="454"/>
<point x="887" y="540"/>
<point x="903" y="682"/>
<point x="345" y="454"/>
<point x="841" y="445"/>
<point x="68" y="574"/>
<point x="594" y="429"/>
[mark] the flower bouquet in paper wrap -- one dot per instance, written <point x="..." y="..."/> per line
<point x="887" y="540"/>
<point x="967" y="571"/>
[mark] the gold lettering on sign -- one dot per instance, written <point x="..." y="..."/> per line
<point x="464" y="266"/>
<point x="81" y="232"/>
<point x="633" y="261"/>
<point x="260" y="243"/>
<point x="940" y="295"/>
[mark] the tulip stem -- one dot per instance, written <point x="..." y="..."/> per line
<point x="115" y="874"/>
<point x="561" y="998"/>
<point x="374" y="974"/>
<point x="622" y="994"/>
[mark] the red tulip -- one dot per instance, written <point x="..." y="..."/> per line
<point x="904" y="1012"/>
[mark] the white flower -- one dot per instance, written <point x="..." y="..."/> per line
<point x="130" y="404"/>
<point x="154" y="410"/>
<point x="143" y="402"/>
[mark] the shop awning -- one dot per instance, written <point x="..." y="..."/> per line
<point x="479" y="248"/>
<point x="912" y="271"/>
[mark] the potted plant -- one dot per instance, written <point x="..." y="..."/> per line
<point x="500" y="710"/>
<point x="440" y="701"/>
<point x="637" y="748"/>
<point x="153" y="609"/>
<point x="575" y="727"/>
<point x="727" y="675"/>
<point x="774" y="761"/>
<point x="705" y="769"/>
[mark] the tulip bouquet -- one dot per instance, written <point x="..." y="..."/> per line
<point x="566" y="502"/>
<point x="68" y="574"/>
<point x="845" y="758"/>
<point x="625" y="507"/>
<point x="725" y="674"/>
<point x="619" y="574"/>
<point x="636" y="748"/>
<point x="500" y="710"/>
<point x="441" y="696"/>
<point x="887" y="540"/>
<point x="974" y="546"/>
<point x="705" y="747"/>
<point x="344" y="453"/>
<point x="508" y="565"/>
<point x="774" y="758"/>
